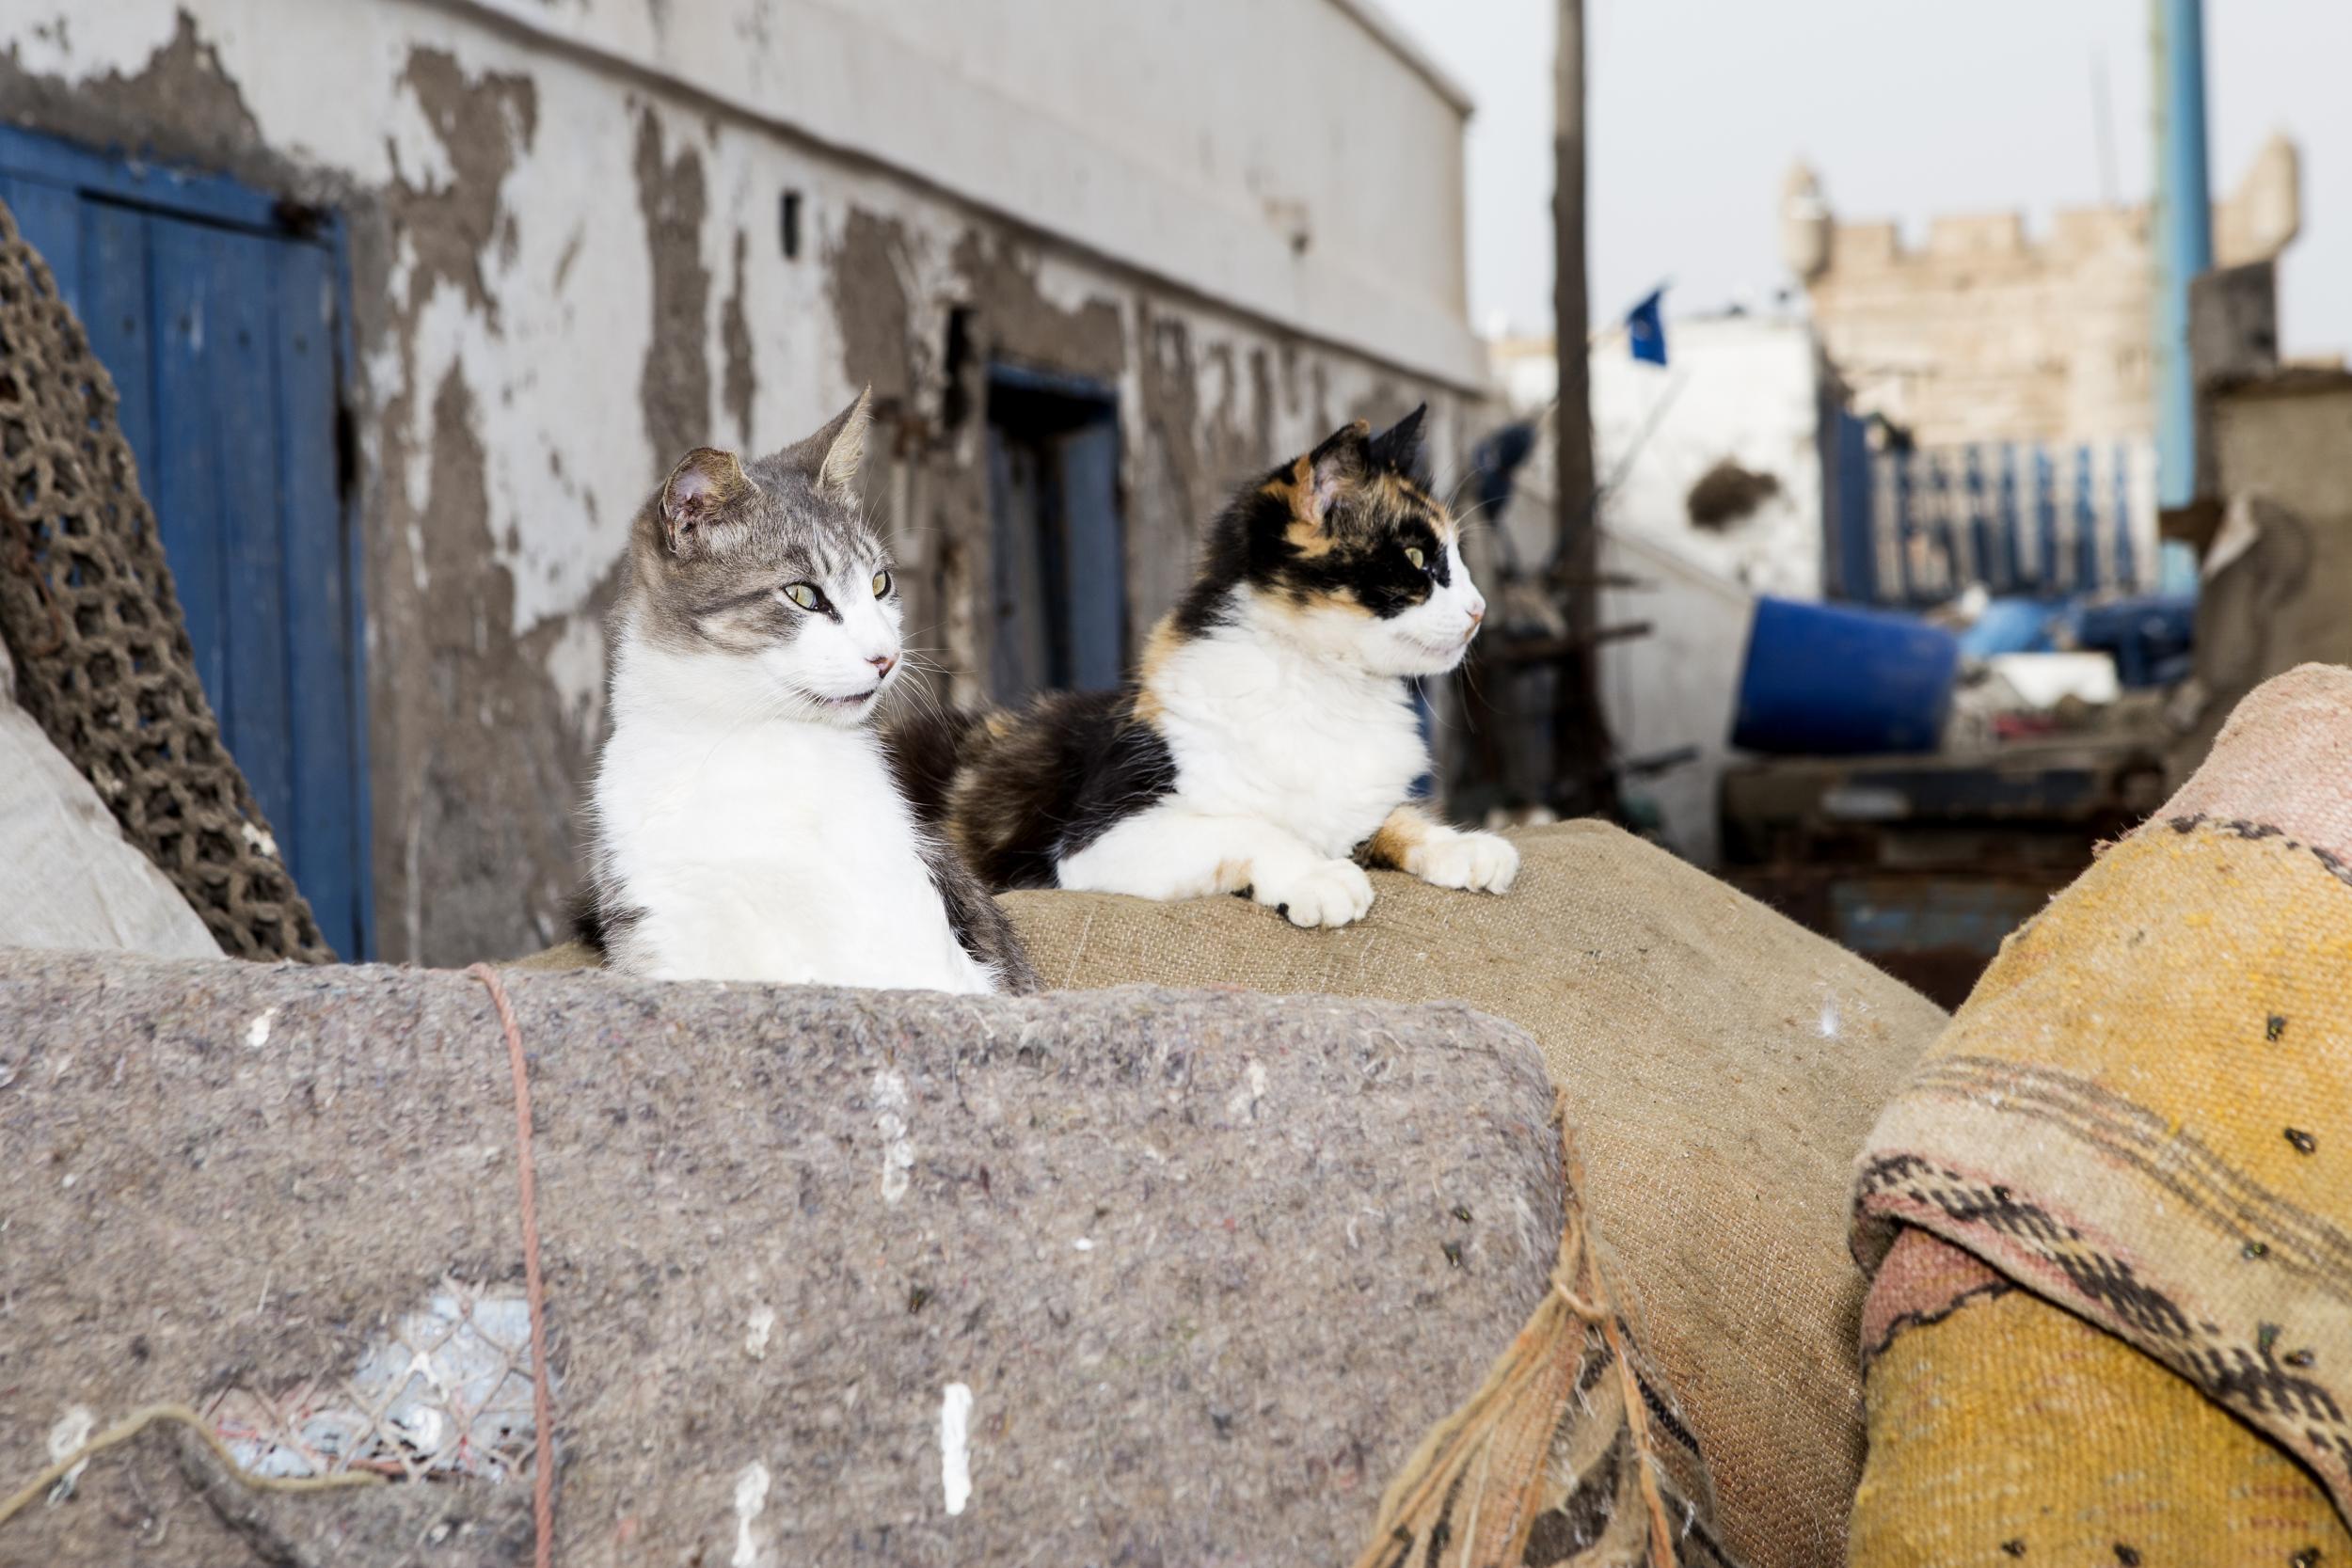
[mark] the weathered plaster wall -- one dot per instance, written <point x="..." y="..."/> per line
<point x="564" y="274"/>
<point x="1291" y="157"/>
<point x="2277" y="575"/>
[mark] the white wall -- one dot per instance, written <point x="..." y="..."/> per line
<point x="549" y="337"/>
<point x="1745" y="388"/>
<point x="1197" y="142"/>
<point x="1678" y="686"/>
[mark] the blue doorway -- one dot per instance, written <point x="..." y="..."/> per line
<point x="1057" y="547"/>
<point x="219" y="312"/>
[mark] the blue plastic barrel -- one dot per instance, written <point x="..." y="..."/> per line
<point x="1826" y="680"/>
<point x="2151" y="636"/>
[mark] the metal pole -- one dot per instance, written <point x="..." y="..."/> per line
<point x="2183" y="234"/>
<point x="1579" y="741"/>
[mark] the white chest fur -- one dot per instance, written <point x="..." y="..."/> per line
<point x="774" y="850"/>
<point x="1260" y="728"/>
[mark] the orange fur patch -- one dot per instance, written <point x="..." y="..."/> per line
<point x="1299" y="603"/>
<point x="1405" y="831"/>
<point x="1157" y="649"/>
<point x="1306" y="533"/>
<point x="1399" y="494"/>
<point x="1308" y="537"/>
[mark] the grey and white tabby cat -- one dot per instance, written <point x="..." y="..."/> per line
<point x="746" y="824"/>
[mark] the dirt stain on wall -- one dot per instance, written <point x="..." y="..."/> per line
<point x="475" y="756"/>
<point x="675" y="388"/>
<point x="865" y="285"/>
<point x="735" y="339"/>
<point x="1020" y="324"/>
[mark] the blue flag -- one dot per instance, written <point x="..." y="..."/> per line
<point x="1645" y="328"/>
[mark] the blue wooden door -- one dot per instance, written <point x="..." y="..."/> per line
<point x="1094" y="554"/>
<point x="1059" y="549"/>
<point x="218" y="319"/>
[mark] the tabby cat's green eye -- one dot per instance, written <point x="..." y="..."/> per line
<point x="1412" y="553"/>
<point x="803" y="594"/>
<point x="882" y="583"/>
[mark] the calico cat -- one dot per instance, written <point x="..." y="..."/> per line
<point x="746" y="824"/>
<point x="1270" y="740"/>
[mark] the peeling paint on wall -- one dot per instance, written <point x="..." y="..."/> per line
<point x="1023" y="324"/>
<point x="734" y="333"/>
<point x="180" y="89"/>
<point x="674" y="387"/>
<point x="868" y="296"/>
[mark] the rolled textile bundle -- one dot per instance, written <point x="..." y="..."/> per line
<point x="1717" y="1066"/>
<point x="2110" y="1214"/>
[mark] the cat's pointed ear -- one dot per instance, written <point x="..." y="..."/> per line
<point x="1401" y="449"/>
<point x="831" y="457"/>
<point x="1338" y="465"/>
<point x="700" y="491"/>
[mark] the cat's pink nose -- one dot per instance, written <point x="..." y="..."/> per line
<point x="1477" y="615"/>
<point x="882" y="662"/>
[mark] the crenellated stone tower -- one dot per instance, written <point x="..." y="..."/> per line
<point x="1987" y="333"/>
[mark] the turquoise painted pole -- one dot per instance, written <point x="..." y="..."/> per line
<point x="2183" y="234"/>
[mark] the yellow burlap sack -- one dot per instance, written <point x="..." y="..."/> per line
<point x="1719" y="1067"/>
<point x="2141" y="1122"/>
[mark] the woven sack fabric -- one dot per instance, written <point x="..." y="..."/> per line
<point x="2131" y="1154"/>
<point x="1718" y="1064"/>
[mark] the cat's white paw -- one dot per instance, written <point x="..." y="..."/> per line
<point x="1321" y="893"/>
<point x="1485" y="863"/>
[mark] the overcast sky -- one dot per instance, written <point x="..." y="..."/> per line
<point x="1699" y="107"/>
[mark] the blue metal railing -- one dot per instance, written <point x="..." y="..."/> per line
<point x="1919" y="525"/>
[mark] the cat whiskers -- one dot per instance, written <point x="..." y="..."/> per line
<point x="922" y="691"/>
<point x="1464" y="520"/>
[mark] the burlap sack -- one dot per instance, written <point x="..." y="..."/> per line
<point x="1720" y="1066"/>
<point x="2140" y="1124"/>
<point x="66" y="878"/>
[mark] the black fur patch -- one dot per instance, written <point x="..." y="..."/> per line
<point x="981" y="927"/>
<point x="587" y="920"/>
<point x="598" y="927"/>
<point x="924" y="749"/>
<point x="1034" y="787"/>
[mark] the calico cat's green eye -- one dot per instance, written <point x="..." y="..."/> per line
<point x="803" y="594"/>
<point x="1412" y="553"/>
<point x="882" y="583"/>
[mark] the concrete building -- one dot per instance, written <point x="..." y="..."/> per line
<point x="1097" y="264"/>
